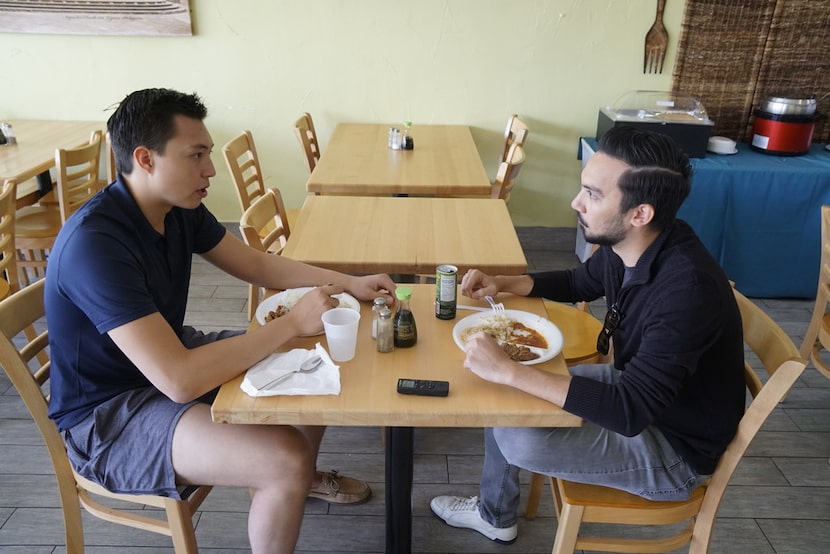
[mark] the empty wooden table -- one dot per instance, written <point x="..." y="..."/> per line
<point x="412" y="236"/>
<point x="368" y="398"/>
<point x="357" y="160"/>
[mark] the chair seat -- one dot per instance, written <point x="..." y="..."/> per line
<point x="582" y="494"/>
<point x="579" y="330"/>
<point x="37" y="222"/>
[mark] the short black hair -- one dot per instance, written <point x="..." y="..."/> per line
<point x="145" y="118"/>
<point x="660" y="172"/>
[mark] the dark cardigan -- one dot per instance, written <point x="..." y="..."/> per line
<point x="679" y="345"/>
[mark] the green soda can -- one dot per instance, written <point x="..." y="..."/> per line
<point x="445" y="291"/>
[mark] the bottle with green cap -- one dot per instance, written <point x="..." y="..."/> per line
<point x="406" y="334"/>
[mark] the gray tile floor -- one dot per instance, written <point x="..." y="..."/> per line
<point x="778" y="502"/>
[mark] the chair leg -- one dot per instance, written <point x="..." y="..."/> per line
<point x="567" y="530"/>
<point x="181" y="526"/>
<point x="72" y="523"/>
<point x="556" y="494"/>
<point x="534" y="494"/>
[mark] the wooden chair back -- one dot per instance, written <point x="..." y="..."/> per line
<point x="304" y="129"/>
<point x="577" y="503"/>
<point x="8" y="255"/>
<point x="515" y="133"/>
<point x="243" y="164"/>
<point x="29" y="377"/>
<point x="817" y="337"/>
<point x="77" y="175"/>
<point x="507" y="173"/>
<point x="112" y="169"/>
<point x="264" y="226"/>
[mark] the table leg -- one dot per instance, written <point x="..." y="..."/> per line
<point x="399" y="452"/>
<point x="44" y="183"/>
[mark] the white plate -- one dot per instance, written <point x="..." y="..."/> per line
<point x="544" y="326"/>
<point x="290" y="297"/>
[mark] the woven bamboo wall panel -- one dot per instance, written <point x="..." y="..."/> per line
<point x="731" y="55"/>
<point x="719" y="58"/>
<point x="797" y="57"/>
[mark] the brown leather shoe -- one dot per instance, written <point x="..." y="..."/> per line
<point x="339" y="489"/>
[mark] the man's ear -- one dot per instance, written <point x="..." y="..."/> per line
<point x="642" y="216"/>
<point x="143" y="158"/>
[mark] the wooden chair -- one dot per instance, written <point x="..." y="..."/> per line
<point x="577" y="503"/>
<point x="243" y="164"/>
<point x="264" y="226"/>
<point x="515" y="133"/>
<point x="77" y="175"/>
<point x="38" y="225"/>
<point x="22" y="310"/>
<point x="304" y="129"/>
<point x="817" y="337"/>
<point x="507" y="172"/>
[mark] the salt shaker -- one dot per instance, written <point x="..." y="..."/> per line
<point x="8" y="133"/>
<point x="379" y="304"/>
<point x="394" y="138"/>
<point x="386" y="331"/>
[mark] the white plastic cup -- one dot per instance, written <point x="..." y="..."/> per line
<point x="340" y="325"/>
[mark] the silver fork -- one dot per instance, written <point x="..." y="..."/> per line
<point x="498" y="308"/>
<point x="657" y="41"/>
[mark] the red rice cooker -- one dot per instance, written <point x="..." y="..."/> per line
<point x="784" y="126"/>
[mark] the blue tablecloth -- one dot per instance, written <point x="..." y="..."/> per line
<point x="760" y="216"/>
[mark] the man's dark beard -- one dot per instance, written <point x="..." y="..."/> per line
<point x="609" y="238"/>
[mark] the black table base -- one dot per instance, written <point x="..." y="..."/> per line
<point x="399" y="463"/>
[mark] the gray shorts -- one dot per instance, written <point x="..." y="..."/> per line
<point x="126" y="444"/>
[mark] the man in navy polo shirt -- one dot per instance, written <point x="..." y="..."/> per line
<point x="131" y="384"/>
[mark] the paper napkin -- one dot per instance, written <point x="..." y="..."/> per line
<point x="326" y="380"/>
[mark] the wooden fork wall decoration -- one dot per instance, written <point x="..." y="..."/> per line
<point x="657" y="40"/>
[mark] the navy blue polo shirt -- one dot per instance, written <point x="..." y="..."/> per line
<point x="109" y="267"/>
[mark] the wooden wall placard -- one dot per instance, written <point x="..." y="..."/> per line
<point x="96" y="17"/>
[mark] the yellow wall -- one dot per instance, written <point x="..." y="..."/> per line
<point x="259" y="63"/>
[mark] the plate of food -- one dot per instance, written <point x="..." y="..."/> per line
<point x="281" y="303"/>
<point x="527" y="338"/>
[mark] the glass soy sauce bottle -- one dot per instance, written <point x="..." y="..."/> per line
<point x="405" y="333"/>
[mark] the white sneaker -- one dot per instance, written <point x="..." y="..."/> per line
<point x="458" y="511"/>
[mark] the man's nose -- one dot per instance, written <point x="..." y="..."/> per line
<point x="577" y="203"/>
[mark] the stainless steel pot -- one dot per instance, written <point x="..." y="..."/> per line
<point x="789" y="106"/>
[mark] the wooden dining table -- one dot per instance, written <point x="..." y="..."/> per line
<point x="406" y="235"/>
<point x="368" y="397"/>
<point x="34" y="154"/>
<point x="358" y="160"/>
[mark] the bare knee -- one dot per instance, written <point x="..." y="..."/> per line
<point x="288" y="463"/>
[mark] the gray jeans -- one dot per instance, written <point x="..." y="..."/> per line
<point x="645" y="465"/>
